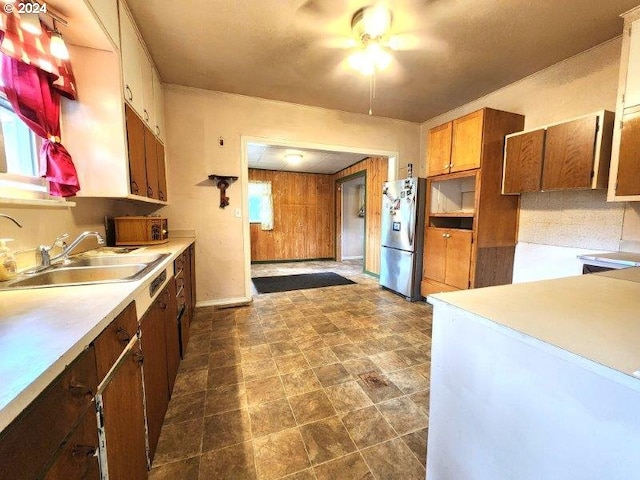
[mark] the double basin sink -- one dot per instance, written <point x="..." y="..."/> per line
<point x="89" y="270"/>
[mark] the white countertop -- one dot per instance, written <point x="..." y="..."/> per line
<point x="44" y="330"/>
<point x="594" y="316"/>
<point x="628" y="259"/>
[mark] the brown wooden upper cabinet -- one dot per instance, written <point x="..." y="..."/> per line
<point x="624" y="181"/>
<point x="456" y="146"/>
<point x="147" y="174"/>
<point x="524" y="153"/>
<point x="565" y="156"/>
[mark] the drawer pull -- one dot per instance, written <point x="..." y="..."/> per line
<point x="139" y="358"/>
<point x="129" y="92"/>
<point x="84" y="451"/>
<point x="149" y="191"/>
<point x="123" y="335"/>
<point x="78" y="389"/>
<point x="134" y="187"/>
<point x="163" y="305"/>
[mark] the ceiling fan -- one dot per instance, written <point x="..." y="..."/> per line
<point x="375" y="36"/>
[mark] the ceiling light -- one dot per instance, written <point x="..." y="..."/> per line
<point x="373" y="21"/>
<point x="293" y="158"/>
<point x="58" y="47"/>
<point x="30" y="22"/>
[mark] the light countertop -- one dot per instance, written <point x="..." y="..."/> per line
<point x="627" y="259"/>
<point x="44" y="330"/>
<point x="594" y="316"/>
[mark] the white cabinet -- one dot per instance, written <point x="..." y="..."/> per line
<point x="146" y="72"/>
<point x="632" y="87"/>
<point x="158" y="106"/>
<point x="107" y="13"/>
<point x="130" y="53"/>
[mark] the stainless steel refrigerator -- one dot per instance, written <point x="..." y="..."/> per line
<point x="403" y="203"/>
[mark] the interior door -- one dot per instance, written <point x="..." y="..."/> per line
<point x="439" y="150"/>
<point x="435" y="254"/>
<point x="523" y="162"/>
<point x="458" y="258"/>
<point x="569" y="154"/>
<point x="466" y="147"/>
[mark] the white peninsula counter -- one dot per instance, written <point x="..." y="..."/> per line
<point x="536" y="380"/>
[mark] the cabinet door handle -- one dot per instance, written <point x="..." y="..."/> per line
<point x="83" y="451"/>
<point x="161" y="194"/>
<point x="146" y="115"/>
<point x="134" y="187"/>
<point x="444" y="235"/>
<point x="126" y="87"/>
<point x="149" y="191"/>
<point x="78" y="389"/>
<point x="447" y="165"/>
<point x="139" y="358"/>
<point x="157" y="130"/>
<point x="123" y="335"/>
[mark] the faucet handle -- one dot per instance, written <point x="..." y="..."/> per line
<point x="59" y="242"/>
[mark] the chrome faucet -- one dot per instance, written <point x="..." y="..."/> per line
<point x="10" y="218"/>
<point x="46" y="260"/>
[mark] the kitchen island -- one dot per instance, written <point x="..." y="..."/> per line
<point x="536" y="380"/>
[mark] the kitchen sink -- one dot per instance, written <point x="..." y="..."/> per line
<point x="89" y="270"/>
<point x="114" y="260"/>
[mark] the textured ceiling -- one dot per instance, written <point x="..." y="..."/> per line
<point x="272" y="157"/>
<point x="294" y="50"/>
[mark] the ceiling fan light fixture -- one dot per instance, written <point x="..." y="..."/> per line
<point x="58" y="47"/>
<point x="373" y="21"/>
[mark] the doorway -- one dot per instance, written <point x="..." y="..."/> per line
<point x="352" y="219"/>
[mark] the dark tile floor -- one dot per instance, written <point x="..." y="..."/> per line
<point x="328" y="383"/>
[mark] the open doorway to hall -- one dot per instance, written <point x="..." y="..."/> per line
<point x="350" y="221"/>
<point x="294" y="223"/>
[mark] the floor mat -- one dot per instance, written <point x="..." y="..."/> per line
<point x="285" y="283"/>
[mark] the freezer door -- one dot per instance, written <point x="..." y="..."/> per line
<point x="399" y="209"/>
<point x="396" y="271"/>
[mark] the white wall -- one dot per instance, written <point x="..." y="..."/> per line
<point x="195" y="119"/>
<point x="352" y="225"/>
<point x="570" y="220"/>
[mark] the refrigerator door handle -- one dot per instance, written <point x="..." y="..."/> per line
<point x="411" y="227"/>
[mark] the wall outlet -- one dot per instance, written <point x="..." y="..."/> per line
<point x="238" y="213"/>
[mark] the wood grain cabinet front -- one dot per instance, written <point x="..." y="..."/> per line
<point x="447" y="257"/>
<point x="461" y="144"/>
<point x="30" y="444"/>
<point x="569" y="155"/>
<point x="122" y="416"/>
<point x="114" y="339"/>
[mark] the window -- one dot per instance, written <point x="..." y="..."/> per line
<point x="18" y="150"/>
<point x="261" y="204"/>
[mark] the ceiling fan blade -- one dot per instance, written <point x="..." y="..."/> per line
<point x="417" y="41"/>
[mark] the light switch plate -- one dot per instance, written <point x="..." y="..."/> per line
<point x="238" y="213"/>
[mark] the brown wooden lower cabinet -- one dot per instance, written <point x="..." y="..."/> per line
<point x="123" y="419"/>
<point x="31" y="442"/>
<point x="77" y="459"/>
<point x="172" y="335"/>
<point x="447" y="259"/>
<point x="156" y="380"/>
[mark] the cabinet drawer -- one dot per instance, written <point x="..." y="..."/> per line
<point x="30" y="442"/>
<point x="113" y="339"/>
<point x="77" y="458"/>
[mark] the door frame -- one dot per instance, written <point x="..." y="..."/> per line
<point x="392" y="155"/>
<point x="338" y="203"/>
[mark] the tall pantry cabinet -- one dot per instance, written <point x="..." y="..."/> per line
<point x="470" y="228"/>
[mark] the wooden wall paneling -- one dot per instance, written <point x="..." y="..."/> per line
<point x="303" y="217"/>
<point x="494" y="266"/>
<point x="496" y="214"/>
<point x="338" y="221"/>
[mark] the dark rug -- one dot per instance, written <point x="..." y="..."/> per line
<point x="286" y="283"/>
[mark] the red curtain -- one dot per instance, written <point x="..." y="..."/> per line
<point x="32" y="96"/>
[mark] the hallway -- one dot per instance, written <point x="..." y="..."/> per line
<point x="323" y="383"/>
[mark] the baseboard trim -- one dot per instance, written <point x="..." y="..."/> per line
<point x="357" y="257"/>
<point x="224" y="302"/>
